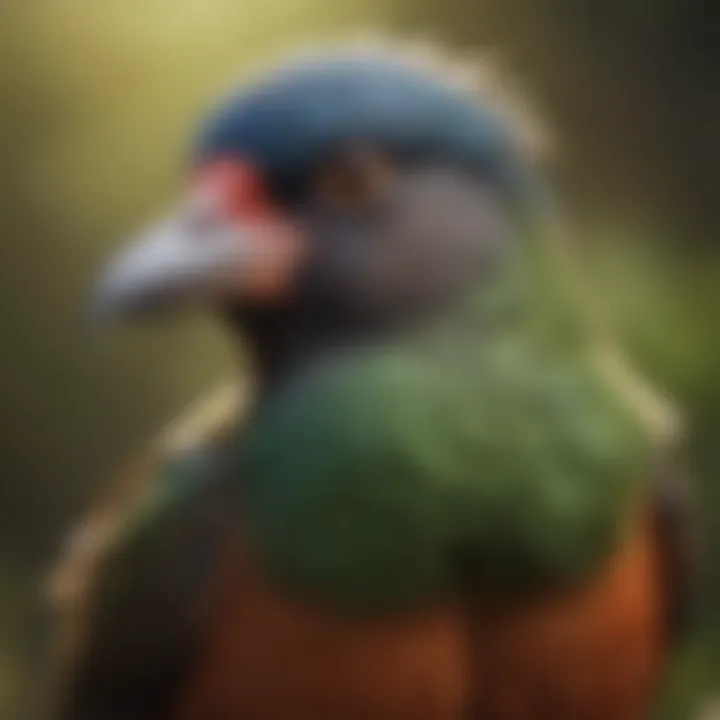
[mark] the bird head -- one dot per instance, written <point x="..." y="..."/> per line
<point x="340" y="196"/>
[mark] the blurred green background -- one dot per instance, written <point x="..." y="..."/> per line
<point x="96" y="103"/>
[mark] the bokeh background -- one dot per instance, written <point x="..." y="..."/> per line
<point x="97" y="100"/>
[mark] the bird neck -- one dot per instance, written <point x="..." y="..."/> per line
<point x="284" y="342"/>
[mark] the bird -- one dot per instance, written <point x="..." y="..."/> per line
<point x="431" y="492"/>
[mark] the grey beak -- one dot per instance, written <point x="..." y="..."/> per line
<point x="173" y="264"/>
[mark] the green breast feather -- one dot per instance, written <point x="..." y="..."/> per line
<point x="371" y="479"/>
<point x="376" y="480"/>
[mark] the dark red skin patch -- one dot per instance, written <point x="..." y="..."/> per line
<point x="238" y="187"/>
<point x="239" y="194"/>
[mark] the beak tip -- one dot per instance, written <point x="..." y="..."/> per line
<point x="111" y="299"/>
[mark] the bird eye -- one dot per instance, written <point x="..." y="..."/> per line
<point x="353" y="179"/>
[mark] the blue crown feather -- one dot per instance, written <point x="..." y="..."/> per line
<point x="292" y="120"/>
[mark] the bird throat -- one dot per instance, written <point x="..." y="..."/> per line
<point x="287" y="340"/>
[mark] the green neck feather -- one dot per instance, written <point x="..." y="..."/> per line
<point x="487" y="441"/>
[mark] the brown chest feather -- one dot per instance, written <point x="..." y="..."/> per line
<point x="590" y="653"/>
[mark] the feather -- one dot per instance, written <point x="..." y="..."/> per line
<point x="103" y="543"/>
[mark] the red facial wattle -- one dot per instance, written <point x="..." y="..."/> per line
<point x="237" y="188"/>
<point x="237" y="192"/>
